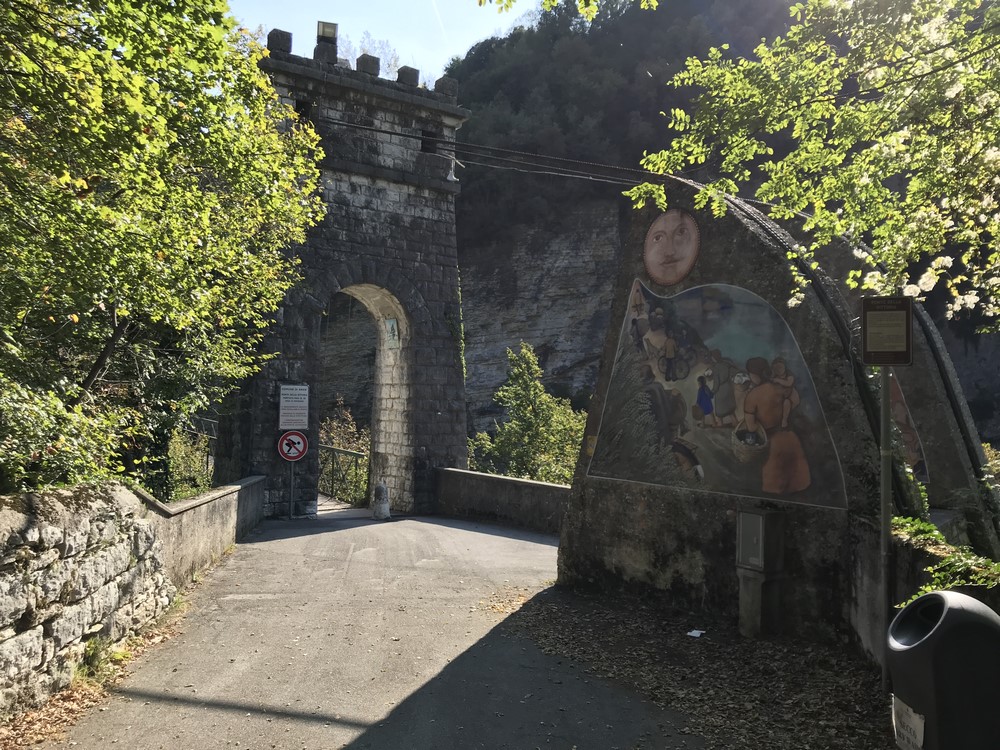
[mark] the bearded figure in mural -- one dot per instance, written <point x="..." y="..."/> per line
<point x="768" y="404"/>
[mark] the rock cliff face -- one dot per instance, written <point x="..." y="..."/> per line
<point x="549" y="286"/>
<point x="977" y="362"/>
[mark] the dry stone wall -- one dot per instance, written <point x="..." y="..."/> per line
<point x="73" y="566"/>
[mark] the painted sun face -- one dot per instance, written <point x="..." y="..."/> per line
<point x="671" y="247"/>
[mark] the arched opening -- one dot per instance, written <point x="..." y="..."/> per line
<point x="344" y="391"/>
<point x="364" y="344"/>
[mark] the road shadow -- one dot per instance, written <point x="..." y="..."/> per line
<point x="507" y="692"/>
<point x="504" y="692"/>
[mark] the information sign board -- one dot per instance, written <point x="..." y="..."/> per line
<point x="887" y="330"/>
<point x="293" y="409"/>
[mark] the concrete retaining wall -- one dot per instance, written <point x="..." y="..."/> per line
<point x="907" y="575"/>
<point x="537" y="506"/>
<point x="196" y="532"/>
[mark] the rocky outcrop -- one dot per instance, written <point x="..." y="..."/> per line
<point x="550" y="286"/>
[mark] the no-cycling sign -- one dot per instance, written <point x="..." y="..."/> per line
<point x="292" y="445"/>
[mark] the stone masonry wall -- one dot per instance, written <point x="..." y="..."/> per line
<point x="679" y="537"/>
<point x="72" y="567"/>
<point x="388" y="240"/>
<point x="538" y="506"/>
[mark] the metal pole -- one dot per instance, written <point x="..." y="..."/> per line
<point x="291" y="487"/>
<point x="885" y="450"/>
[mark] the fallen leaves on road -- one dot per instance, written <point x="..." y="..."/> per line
<point x="738" y="693"/>
<point x="51" y="720"/>
<point x="506" y="601"/>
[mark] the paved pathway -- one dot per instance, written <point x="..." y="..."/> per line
<point x="344" y="632"/>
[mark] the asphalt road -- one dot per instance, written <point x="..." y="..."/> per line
<point x="344" y="632"/>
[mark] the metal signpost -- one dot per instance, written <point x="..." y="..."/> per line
<point x="292" y="446"/>
<point x="887" y="339"/>
<point x="293" y="414"/>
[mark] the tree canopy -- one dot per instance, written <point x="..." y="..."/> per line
<point x="893" y="111"/>
<point x="150" y="182"/>
<point x="589" y="91"/>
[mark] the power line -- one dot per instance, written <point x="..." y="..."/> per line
<point x="469" y="152"/>
<point x="527" y="158"/>
<point x="592" y="178"/>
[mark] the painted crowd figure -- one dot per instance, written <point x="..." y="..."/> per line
<point x="704" y="401"/>
<point x="768" y="404"/>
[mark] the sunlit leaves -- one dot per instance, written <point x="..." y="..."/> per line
<point x="541" y="435"/>
<point x="149" y="183"/>
<point x="892" y="110"/>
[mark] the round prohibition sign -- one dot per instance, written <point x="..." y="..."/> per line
<point x="292" y="445"/>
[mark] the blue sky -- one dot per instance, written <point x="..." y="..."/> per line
<point x="425" y="33"/>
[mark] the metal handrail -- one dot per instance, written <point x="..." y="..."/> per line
<point x="338" y="474"/>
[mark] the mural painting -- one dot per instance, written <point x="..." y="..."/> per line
<point x="710" y="392"/>
<point x="671" y="247"/>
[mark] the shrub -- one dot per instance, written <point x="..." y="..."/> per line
<point x="345" y="477"/>
<point x="189" y="464"/>
<point x="954" y="567"/>
<point x="44" y="441"/>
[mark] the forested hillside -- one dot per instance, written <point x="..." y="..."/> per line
<point x="539" y="252"/>
<point x="589" y="92"/>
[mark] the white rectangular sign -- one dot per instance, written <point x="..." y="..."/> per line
<point x="293" y="412"/>
<point x="908" y="726"/>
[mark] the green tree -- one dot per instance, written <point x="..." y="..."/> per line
<point x="149" y="183"/>
<point x="590" y="91"/>
<point x="541" y="436"/>
<point x="587" y="8"/>
<point x="892" y="110"/>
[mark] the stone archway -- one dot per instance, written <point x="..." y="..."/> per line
<point x="388" y="240"/>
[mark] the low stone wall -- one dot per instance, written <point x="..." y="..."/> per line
<point x="196" y="532"/>
<point x="537" y="506"/>
<point x="99" y="562"/>
<point x="73" y="565"/>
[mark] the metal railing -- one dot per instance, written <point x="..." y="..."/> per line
<point x="208" y="430"/>
<point x="343" y="474"/>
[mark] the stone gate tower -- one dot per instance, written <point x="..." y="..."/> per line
<point x="388" y="240"/>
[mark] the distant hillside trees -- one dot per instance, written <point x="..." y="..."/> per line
<point x="149" y="183"/>
<point x="593" y="92"/>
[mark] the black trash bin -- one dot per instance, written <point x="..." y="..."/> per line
<point x="944" y="660"/>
